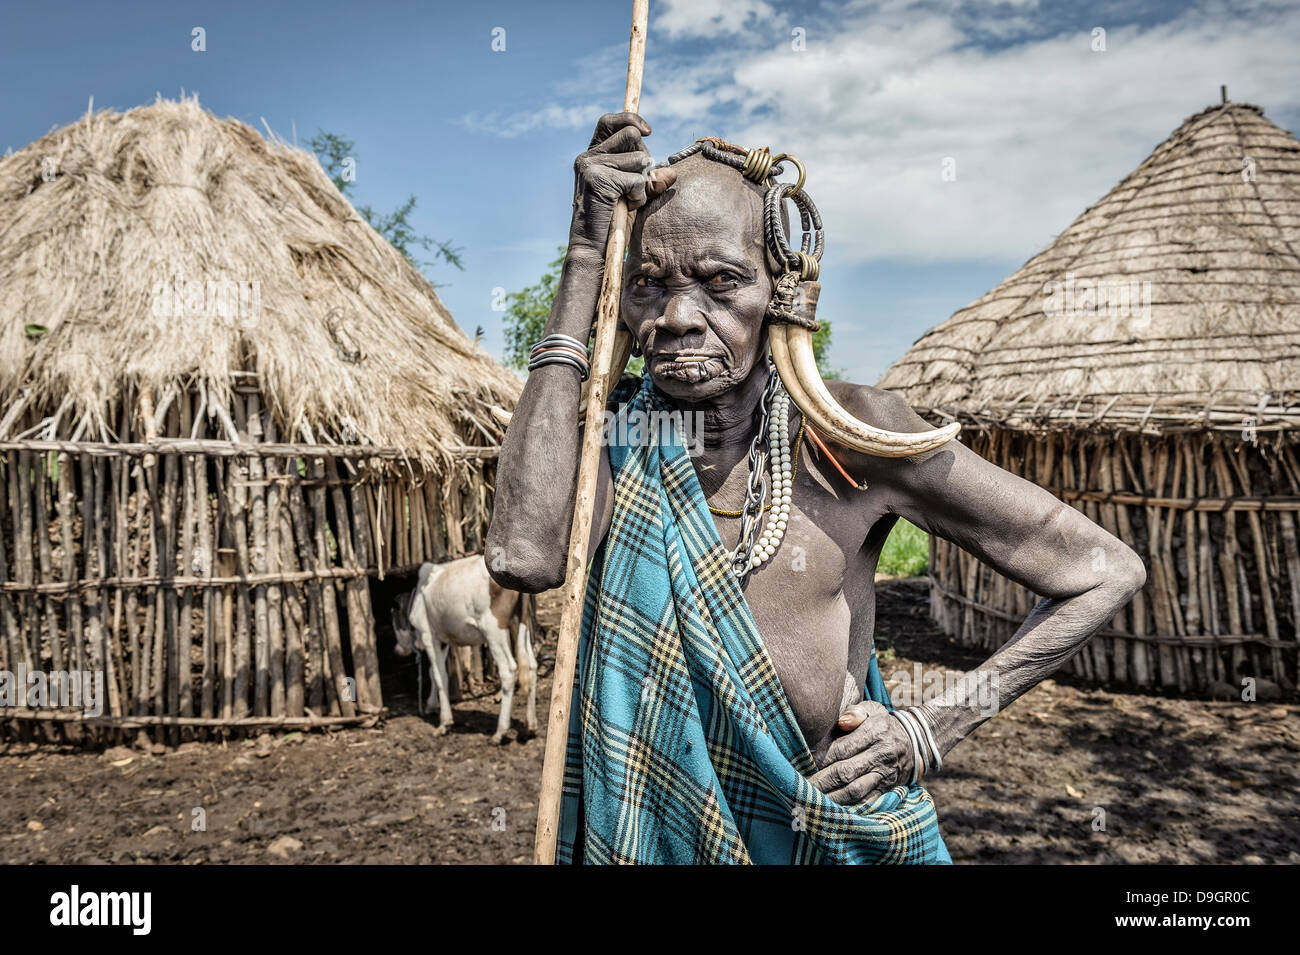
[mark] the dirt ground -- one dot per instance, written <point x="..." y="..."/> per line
<point x="1178" y="781"/>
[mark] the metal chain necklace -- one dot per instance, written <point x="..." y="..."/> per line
<point x="770" y="445"/>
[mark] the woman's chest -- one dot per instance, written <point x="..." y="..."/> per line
<point x="812" y="600"/>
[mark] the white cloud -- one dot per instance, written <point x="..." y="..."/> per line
<point x="510" y="125"/>
<point x="709" y="19"/>
<point x="1039" y="125"/>
<point x="1038" y="130"/>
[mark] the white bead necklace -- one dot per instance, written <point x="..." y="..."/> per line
<point x="779" y="467"/>
<point x="752" y="548"/>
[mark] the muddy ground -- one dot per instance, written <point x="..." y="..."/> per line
<point x="1180" y="781"/>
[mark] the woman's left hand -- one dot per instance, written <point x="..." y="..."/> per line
<point x="873" y="755"/>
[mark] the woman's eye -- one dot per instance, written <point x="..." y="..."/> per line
<point x="724" y="278"/>
<point x="644" y="281"/>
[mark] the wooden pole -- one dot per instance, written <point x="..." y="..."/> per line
<point x="557" y="731"/>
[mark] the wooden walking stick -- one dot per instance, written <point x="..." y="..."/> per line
<point x="575" y="578"/>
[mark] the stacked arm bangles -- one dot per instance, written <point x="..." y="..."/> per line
<point x="926" y="757"/>
<point x="557" y="349"/>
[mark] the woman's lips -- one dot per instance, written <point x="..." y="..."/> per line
<point x="687" y="366"/>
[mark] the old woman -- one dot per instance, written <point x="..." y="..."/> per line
<point x="728" y="706"/>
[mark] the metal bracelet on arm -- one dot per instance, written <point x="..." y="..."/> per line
<point x="555" y="338"/>
<point x="913" y="734"/>
<point x="557" y="349"/>
<point x="935" y="763"/>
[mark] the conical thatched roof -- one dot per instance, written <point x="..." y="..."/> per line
<point x="1211" y="220"/>
<point x="102" y="222"/>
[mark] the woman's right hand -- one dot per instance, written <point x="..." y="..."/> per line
<point x="616" y="165"/>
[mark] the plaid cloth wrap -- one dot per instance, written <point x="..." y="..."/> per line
<point x="682" y="747"/>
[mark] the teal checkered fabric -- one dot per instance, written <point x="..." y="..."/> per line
<point x="682" y="747"/>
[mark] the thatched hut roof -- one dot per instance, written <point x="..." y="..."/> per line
<point x="104" y="221"/>
<point x="1211" y="220"/>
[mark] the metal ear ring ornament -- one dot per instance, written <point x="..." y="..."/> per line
<point x="803" y="173"/>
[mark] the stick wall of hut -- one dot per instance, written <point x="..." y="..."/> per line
<point x="1213" y="519"/>
<point x="213" y="575"/>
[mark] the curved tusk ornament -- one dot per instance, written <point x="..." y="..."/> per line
<point x="792" y="352"/>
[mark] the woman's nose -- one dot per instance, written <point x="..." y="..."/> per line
<point x="681" y="316"/>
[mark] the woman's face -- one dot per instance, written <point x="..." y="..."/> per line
<point x="696" y="284"/>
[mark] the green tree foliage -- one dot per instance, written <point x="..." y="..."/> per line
<point x="822" y="348"/>
<point x="906" y="552"/>
<point x="334" y="153"/>
<point x="528" y="309"/>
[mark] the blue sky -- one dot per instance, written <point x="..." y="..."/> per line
<point x="873" y="95"/>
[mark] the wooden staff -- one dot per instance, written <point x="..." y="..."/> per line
<point x="575" y="579"/>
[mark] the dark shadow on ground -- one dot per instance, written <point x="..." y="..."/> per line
<point x="1071" y="773"/>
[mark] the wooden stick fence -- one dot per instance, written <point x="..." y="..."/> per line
<point x="215" y="574"/>
<point x="1213" y="519"/>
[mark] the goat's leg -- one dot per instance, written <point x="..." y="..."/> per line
<point x="438" y="674"/>
<point x="498" y="641"/>
<point x="426" y="643"/>
<point x="527" y="664"/>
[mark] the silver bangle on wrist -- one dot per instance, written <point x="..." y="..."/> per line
<point x="924" y="723"/>
<point x="560" y="358"/>
<point x="558" y="349"/>
<point x="913" y="734"/>
<point x="555" y="338"/>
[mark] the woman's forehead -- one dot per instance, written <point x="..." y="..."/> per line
<point x="704" y="213"/>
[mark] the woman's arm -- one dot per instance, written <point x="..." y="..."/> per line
<point x="537" y="473"/>
<point x="1083" y="574"/>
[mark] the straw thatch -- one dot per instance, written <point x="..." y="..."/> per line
<point x="225" y="404"/>
<point x="98" y="218"/>
<point x="1174" y="426"/>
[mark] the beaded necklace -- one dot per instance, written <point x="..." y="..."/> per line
<point x="771" y="455"/>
